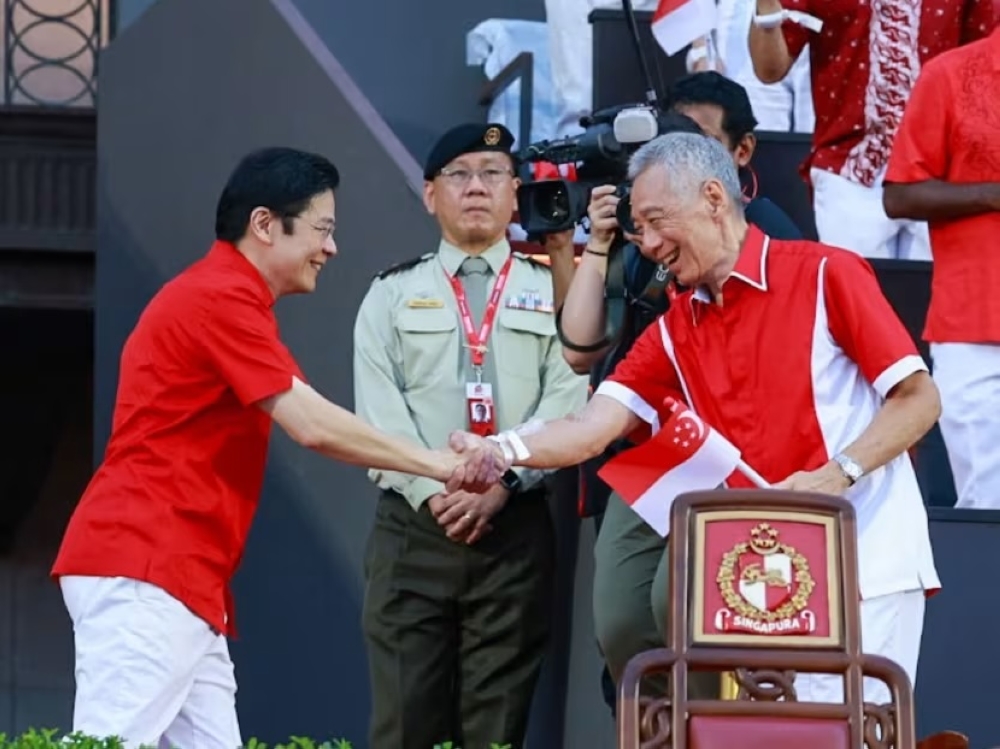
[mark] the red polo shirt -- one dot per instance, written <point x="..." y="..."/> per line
<point x="173" y="500"/>
<point x="792" y="368"/>
<point x="950" y="133"/>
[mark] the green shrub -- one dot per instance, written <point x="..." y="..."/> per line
<point x="47" y="739"/>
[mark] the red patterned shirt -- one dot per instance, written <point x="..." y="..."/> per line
<point x="864" y="63"/>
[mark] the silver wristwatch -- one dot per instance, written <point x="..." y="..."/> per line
<point x="851" y="468"/>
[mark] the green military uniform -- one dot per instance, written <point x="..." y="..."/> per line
<point x="456" y="633"/>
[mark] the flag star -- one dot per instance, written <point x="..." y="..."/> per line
<point x="676" y="440"/>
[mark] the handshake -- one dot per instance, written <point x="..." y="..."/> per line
<point x="472" y="469"/>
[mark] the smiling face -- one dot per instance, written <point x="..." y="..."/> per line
<point x="680" y="231"/>
<point x="297" y="247"/>
<point x="473" y="199"/>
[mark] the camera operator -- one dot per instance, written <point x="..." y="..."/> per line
<point x="627" y="549"/>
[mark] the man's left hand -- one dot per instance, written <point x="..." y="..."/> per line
<point x="560" y="244"/>
<point x="829" y="479"/>
<point x="466" y="517"/>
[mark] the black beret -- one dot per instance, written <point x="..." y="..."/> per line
<point x="468" y="138"/>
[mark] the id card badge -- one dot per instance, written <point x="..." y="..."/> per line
<point x="479" y="403"/>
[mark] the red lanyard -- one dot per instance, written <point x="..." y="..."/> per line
<point x="477" y="342"/>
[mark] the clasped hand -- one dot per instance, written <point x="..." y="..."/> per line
<point x="472" y="494"/>
<point x="475" y="464"/>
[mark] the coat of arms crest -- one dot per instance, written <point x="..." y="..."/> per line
<point x="765" y="585"/>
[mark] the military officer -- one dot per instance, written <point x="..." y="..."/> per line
<point x="456" y="611"/>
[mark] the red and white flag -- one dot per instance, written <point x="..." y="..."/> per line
<point x="685" y="455"/>
<point x="677" y="23"/>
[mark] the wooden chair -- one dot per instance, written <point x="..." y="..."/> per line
<point x="764" y="584"/>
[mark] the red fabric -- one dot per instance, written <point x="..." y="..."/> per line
<point x="173" y="500"/>
<point x="863" y="66"/>
<point x="949" y="133"/>
<point x="753" y="355"/>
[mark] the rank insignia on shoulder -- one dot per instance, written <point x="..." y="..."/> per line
<point x="530" y="301"/>
<point x="403" y="266"/>
<point x="425" y="303"/>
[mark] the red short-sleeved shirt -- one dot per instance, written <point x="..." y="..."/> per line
<point x="951" y="132"/>
<point x="172" y="502"/>
<point x="791" y="369"/>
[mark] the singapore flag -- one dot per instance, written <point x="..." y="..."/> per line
<point x="684" y="455"/>
<point x="677" y="23"/>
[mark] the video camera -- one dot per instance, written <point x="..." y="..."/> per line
<point x="598" y="156"/>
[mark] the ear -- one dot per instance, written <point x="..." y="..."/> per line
<point x="429" y="197"/>
<point x="262" y="222"/>
<point x="744" y="151"/>
<point x="715" y="193"/>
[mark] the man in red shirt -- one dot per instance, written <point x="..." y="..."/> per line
<point x="788" y="349"/>
<point x="147" y="558"/>
<point x="945" y="169"/>
<point x="863" y="61"/>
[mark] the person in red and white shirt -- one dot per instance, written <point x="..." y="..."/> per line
<point x="945" y="169"/>
<point x="790" y="350"/>
<point x="149" y="553"/>
<point x="864" y="60"/>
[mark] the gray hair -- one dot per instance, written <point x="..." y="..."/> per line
<point x="689" y="160"/>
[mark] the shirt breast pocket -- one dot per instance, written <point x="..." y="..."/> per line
<point x="429" y="345"/>
<point x="526" y="339"/>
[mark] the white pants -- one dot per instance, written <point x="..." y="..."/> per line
<point x="891" y="626"/>
<point x="147" y="669"/>
<point x="851" y="216"/>
<point x="968" y="378"/>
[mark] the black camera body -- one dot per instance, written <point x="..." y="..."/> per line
<point x="600" y="155"/>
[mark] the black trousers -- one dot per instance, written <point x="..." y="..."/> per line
<point x="456" y="634"/>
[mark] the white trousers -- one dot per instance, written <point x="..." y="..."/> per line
<point x="851" y="216"/>
<point x="968" y="378"/>
<point x="147" y="669"/>
<point x="891" y="626"/>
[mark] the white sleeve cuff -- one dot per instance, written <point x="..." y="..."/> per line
<point x="632" y="401"/>
<point x="896" y="373"/>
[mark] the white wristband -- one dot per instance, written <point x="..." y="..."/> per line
<point x="505" y="446"/>
<point x="694" y="55"/>
<point x="774" y="20"/>
<point x="521" y="451"/>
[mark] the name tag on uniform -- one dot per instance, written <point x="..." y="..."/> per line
<point x="530" y="301"/>
<point x="425" y="303"/>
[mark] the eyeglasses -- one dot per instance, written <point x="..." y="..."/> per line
<point x="325" y="230"/>
<point x="461" y="177"/>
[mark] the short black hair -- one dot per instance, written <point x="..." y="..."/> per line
<point x="283" y="180"/>
<point x="673" y="121"/>
<point x="710" y="87"/>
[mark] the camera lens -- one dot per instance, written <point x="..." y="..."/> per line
<point x="553" y="203"/>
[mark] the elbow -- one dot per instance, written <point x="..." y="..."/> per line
<point x="894" y="201"/>
<point x="578" y="362"/>
<point x="922" y="400"/>
<point x="769" y="70"/>
<point x="308" y="434"/>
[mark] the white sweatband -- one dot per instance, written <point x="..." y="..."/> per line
<point x="774" y="20"/>
<point x="694" y="55"/>
<point x="505" y="446"/>
<point x="521" y="450"/>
